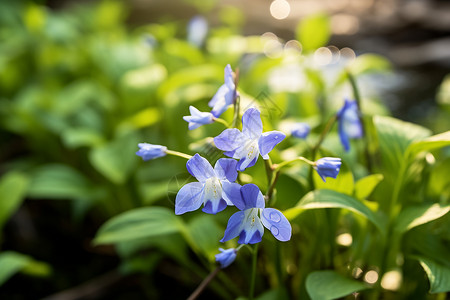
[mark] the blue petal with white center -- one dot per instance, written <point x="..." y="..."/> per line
<point x="250" y="143"/>
<point x="148" y="151"/>
<point x="249" y="222"/>
<point x="349" y="123"/>
<point x="328" y="167"/>
<point x="214" y="190"/>
<point x="198" y="118"/>
<point x="300" y="130"/>
<point x="226" y="257"/>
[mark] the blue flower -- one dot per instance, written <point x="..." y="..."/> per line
<point x="249" y="221"/>
<point x="349" y="123"/>
<point x="248" y="144"/>
<point x="226" y="257"/>
<point x="214" y="189"/>
<point x="328" y="167"/>
<point x="225" y="95"/>
<point x="198" y="118"/>
<point x="300" y="130"/>
<point x="197" y="30"/>
<point x="149" y="151"/>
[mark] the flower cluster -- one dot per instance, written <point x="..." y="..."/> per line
<point x="216" y="187"/>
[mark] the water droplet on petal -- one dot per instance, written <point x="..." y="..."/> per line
<point x="274" y="230"/>
<point x="275" y="216"/>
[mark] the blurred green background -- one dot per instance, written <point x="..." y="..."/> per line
<point x="82" y="82"/>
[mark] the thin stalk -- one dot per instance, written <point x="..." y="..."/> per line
<point x="222" y="121"/>
<point x="237" y="100"/>
<point x="204" y="284"/>
<point x="253" y="278"/>
<point x="179" y="154"/>
<point x="324" y="133"/>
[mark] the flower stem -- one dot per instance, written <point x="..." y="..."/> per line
<point x="285" y="163"/>
<point x="324" y="133"/>
<point x="221" y="121"/>
<point x="204" y="284"/>
<point x="179" y="154"/>
<point x="253" y="278"/>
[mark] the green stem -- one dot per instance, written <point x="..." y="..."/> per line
<point x="277" y="167"/>
<point x="236" y="101"/>
<point x="324" y="133"/>
<point x="204" y="284"/>
<point x="222" y="121"/>
<point x="253" y="278"/>
<point x="179" y="154"/>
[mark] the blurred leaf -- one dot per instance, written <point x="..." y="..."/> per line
<point x="110" y="13"/>
<point x="34" y="17"/>
<point x="58" y="181"/>
<point x="11" y="263"/>
<point x="116" y="159"/>
<point x="365" y="186"/>
<point x="438" y="275"/>
<point x="331" y="199"/>
<point x="443" y="95"/>
<point x="143" y="80"/>
<point x="275" y="294"/>
<point x="13" y="188"/>
<point x="413" y="216"/>
<point x="79" y="137"/>
<point x="144" y="118"/>
<point x="369" y="63"/>
<point x="325" y="285"/>
<point x="430" y="143"/>
<point x="314" y="31"/>
<point x="204" y="234"/>
<point x="144" y="222"/>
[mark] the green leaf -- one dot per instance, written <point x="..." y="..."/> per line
<point x="314" y="31"/>
<point x="343" y="183"/>
<point x="365" y="186"/>
<point x="414" y="216"/>
<point x="369" y="63"/>
<point x="58" y="181"/>
<point x="431" y="143"/>
<point x="13" y="188"/>
<point x="325" y="285"/>
<point x="116" y="159"/>
<point x="438" y="275"/>
<point x="11" y="263"/>
<point x="204" y="234"/>
<point x="144" y="222"/>
<point x="332" y="199"/>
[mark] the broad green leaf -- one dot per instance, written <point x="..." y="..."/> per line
<point x="369" y="63"/>
<point x="13" y="188"/>
<point x="204" y="234"/>
<point x="394" y="137"/>
<point x="11" y="263"/>
<point x="116" y="159"/>
<point x="58" y="181"/>
<point x="144" y="222"/>
<point x="332" y="199"/>
<point x="143" y="118"/>
<point x="365" y="186"/>
<point x="327" y="285"/>
<point x="78" y="137"/>
<point x="314" y="31"/>
<point x="431" y="143"/>
<point x="414" y="216"/>
<point x="438" y="275"/>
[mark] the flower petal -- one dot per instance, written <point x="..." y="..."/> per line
<point x="277" y="223"/>
<point x="252" y="196"/>
<point x="200" y="168"/>
<point x="234" y="226"/>
<point x="231" y="192"/>
<point x="225" y="168"/>
<point x="213" y="207"/>
<point x="252" y="229"/>
<point x="189" y="198"/>
<point x="229" y="139"/>
<point x="246" y="163"/>
<point x="226" y="257"/>
<point x="228" y="77"/>
<point x="268" y="141"/>
<point x="252" y="124"/>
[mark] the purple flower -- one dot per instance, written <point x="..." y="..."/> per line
<point x="225" y="95"/>
<point x="328" y="167"/>
<point x="300" y="130"/>
<point x="214" y="189"/>
<point x="198" y="118"/>
<point x="149" y="151"/>
<point x="248" y="144"/>
<point x="349" y="123"/>
<point x="197" y="30"/>
<point x="249" y="221"/>
<point x="226" y="257"/>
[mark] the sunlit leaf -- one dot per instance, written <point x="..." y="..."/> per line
<point x="413" y="216"/>
<point x="365" y="186"/>
<point x="144" y="222"/>
<point x="13" y="188"/>
<point x="431" y="143"/>
<point x="11" y="263"/>
<point x="438" y="275"/>
<point x="314" y="31"/>
<point x="327" y="285"/>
